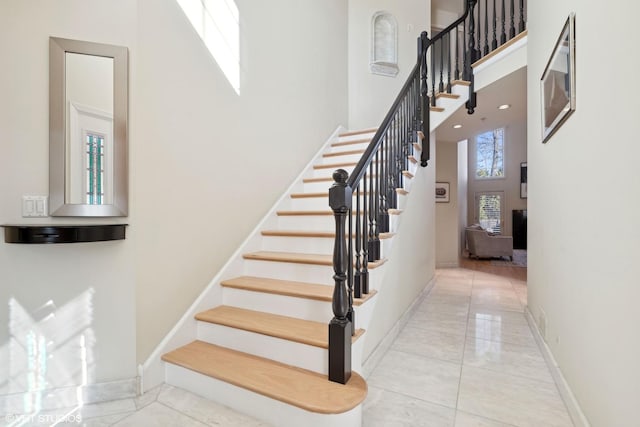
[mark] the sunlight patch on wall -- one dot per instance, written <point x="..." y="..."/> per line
<point x="49" y="349"/>
<point x="217" y="22"/>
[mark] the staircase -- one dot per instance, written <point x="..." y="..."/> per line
<point x="263" y="351"/>
<point x="257" y="339"/>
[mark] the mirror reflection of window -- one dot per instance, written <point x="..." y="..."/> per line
<point x="89" y="95"/>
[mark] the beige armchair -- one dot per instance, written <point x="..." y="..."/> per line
<point x="481" y="244"/>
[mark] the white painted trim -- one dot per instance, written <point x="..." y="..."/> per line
<point x="575" y="412"/>
<point x="153" y="372"/>
<point x="378" y="353"/>
<point x="502" y="54"/>
<point x="70" y="396"/>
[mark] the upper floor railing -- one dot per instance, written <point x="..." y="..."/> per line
<point x="362" y="201"/>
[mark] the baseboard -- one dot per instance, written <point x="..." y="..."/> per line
<point x="451" y="264"/>
<point x="378" y="353"/>
<point x="575" y="412"/>
<point x="67" y="397"/>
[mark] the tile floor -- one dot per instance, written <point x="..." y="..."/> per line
<point x="465" y="358"/>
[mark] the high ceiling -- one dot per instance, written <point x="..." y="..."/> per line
<point x="511" y="90"/>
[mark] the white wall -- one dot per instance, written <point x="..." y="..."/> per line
<point x="88" y="287"/>
<point x="371" y="95"/>
<point x="515" y="140"/>
<point x="209" y="163"/>
<point x="584" y="205"/>
<point x="411" y="263"/>
<point x="447" y="241"/>
<point x="197" y="151"/>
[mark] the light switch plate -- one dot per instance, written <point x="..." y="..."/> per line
<point x="35" y="206"/>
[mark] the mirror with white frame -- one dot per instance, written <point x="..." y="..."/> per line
<point x="88" y="98"/>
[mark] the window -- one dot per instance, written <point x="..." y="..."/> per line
<point x="489" y="211"/>
<point x="490" y="154"/>
<point x="94" y="160"/>
<point x="384" y="44"/>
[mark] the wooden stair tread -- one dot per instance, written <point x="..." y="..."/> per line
<point x="289" y="288"/>
<point x="358" y="132"/>
<point x="500" y="49"/>
<point x="320" y="234"/>
<point x="460" y="82"/>
<point x="437" y="109"/>
<point x="407" y="174"/>
<point x="413" y="160"/>
<point x="301" y="258"/>
<point x="304" y="389"/>
<point x="417" y="146"/>
<point x="273" y="325"/>
<point x="343" y="153"/>
<point x="325" y="213"/>
<point x="401" y="191"/>
<point x="447" y="95"/>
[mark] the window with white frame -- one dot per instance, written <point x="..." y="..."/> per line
<point x="489" y="210"/>
<point x="490" y="160"/>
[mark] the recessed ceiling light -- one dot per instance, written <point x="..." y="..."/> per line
<point x="504" y="107"/>
<point x="457" y="126"/>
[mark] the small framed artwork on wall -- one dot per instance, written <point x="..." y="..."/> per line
<point x="442" y="192"/>
<point x="523" y="180"/>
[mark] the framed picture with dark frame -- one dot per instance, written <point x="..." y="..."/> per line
<point x="442" y="192"/>
<point x="523" y="180"/>
<point x="558" y="82"/>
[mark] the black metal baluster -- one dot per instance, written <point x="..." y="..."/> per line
<point x="494" y="42"/>
<point x="503" y="35"/>
<point x="486" y="29"/>
<point x="512" y="28"/>
<point x="433" y="77"/>
<point x="522" y="25"/>
<point x="441" y="84"/>
<point x="448" y="44"/>
<point x="350" y="257"/>
<point x="473" y="54"/>
<point x="465" y="60"/>
<point x="357" y="280"/>
<point x="456" y="75"/>
<point x="424" y="90"/>
<point x="340" y="326"/>
<point x="364" y="276"/>
<point x="478" y="23"/>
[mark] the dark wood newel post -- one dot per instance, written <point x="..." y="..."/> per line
<point x="340" y="328"/>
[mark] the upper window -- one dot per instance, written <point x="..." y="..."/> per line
<point x="384" y="44"/>
<point x="490" y="154"/>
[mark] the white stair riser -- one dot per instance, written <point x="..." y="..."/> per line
<point x="300" y="272"/>
<point x="328" y="172"/>
<point x="321" y="203"/>
<point x="349" y="147"/>
<point x="317" y="187"/>
<point x="367" y="135"/>
<point x="339" y="159"/>
<point x="301" y="308"/>
<point x="319" y="222"/>
<point x="292" y="353"/>
<point x="288" y="271"/>
<point x="271" y="411"/>
<point x="311" y="245"/>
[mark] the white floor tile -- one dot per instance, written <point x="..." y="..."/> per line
<point x="424" y="378"/>
<point x="511" y="399"/>
<point x="384" y="408"/>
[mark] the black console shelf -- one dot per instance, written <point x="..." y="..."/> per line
<point x="63" y="233"/>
